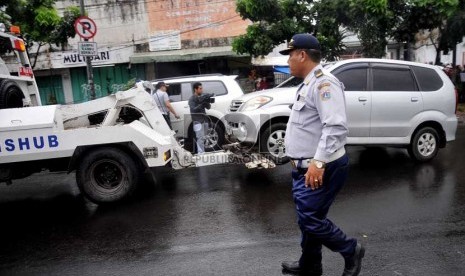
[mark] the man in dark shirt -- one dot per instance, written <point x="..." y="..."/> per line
<point x="197" y="105"/>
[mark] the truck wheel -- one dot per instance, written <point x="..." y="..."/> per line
<point x="272" y="143"/>
<point x="107" y="175"/>
<point x="425" y="145"/>
<point x="11" y="96"/>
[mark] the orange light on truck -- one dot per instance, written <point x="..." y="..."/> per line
<point x="15" y="30"/>
<point x="19" y="45"/>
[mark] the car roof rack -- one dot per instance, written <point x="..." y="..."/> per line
<point x="189" y="76"/>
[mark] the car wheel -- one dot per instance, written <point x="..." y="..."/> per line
<point x="107" y="175"/>
<point x="214" y="139"/>
<point x="272" y="143"/>
<point x="11" y="96"/>
<point x="425" y="145"/>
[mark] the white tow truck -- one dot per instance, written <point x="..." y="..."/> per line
<point x="18" y="87"/>
<point x="109" y="156"/>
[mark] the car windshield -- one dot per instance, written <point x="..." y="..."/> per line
<point x="294" y="81"/>
<point x="290" y="82"/>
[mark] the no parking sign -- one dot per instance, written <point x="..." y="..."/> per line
<point x="85" y="27"/>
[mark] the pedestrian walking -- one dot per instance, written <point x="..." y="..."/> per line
<point x="315" y="138"/>
<point x="162" y="100"/>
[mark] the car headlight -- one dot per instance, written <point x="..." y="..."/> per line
<point x="255" y="103"/>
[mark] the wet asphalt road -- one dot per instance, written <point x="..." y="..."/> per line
<point x="227" y="220"/>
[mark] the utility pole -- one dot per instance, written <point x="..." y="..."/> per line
<point x="90" y="74"/>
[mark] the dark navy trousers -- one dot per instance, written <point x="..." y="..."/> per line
<point x="312" y="208"/>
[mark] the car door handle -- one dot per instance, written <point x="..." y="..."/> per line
<point x="414" y="99"/>
<point x="362" y="99"/>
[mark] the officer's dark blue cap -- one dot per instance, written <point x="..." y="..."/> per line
<point x="302" y="41"/>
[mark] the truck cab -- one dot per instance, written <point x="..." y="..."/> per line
<point x="18" y="87"/>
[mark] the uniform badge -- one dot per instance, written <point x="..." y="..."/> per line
<point x="325" y="84"/>
<point x="291" y="44"/>
<point x="325" y="91"/>
<point x="301" y="96"/>
<point x="318" y="73"/>
<point x="326" y="95"/>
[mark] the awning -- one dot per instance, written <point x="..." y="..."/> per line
<point x="270" y="61"/>
<point x="282" y="69"/>
<point x="183" y="55"/>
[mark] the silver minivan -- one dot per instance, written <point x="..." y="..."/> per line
<point x="389" y="103"/>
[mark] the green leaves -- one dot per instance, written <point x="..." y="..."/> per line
<point x="444" y="7"/>
<point x="379" y="7"/>
<point x="256" y="42"/>
<point x="374" y="21"/>
<point x="47" y="17"/>
<point x="267" y="10"/>
<point x="274" y="22"/>
<point x="40" y="21"/>
<point x="65" y="28"/>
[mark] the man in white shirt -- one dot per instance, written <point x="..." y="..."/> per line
<point x="162" y="100"/>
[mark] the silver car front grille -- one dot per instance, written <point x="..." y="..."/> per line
<point x="235" y="105"/>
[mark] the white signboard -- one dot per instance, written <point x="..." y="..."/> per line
<point x="105" y="56"/>
<point x="87" y="49"/>
<point x="167" y="40"/>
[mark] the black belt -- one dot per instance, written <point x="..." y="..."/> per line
<point x="303" y="163"/>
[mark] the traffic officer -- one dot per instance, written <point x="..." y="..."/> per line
<point x="315" y="138"/>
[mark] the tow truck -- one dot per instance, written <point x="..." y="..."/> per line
<point x="109" y="155"/>
<point x="18" y="87"/>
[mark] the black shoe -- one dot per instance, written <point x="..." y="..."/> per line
<point x="294" y="268"/>
<point x="353" y="265"/>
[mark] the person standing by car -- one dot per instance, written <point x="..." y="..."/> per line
<point x="163" y="102"/>
<point x="315" y="138"/>
<point x="198" y="103"/>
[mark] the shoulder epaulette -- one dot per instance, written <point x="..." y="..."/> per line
<point x="318" y="73"/>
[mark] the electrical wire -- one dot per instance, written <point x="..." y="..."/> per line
<point x="154" y="11"/>
<point x="118" y="4"/>
<point x="213" y="24"/>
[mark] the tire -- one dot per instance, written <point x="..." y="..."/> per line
<point x="107" y="175"/>
<point x="425" y="145"/>
<point x="272" y="143"/>
<point x="11" y="96"/>
<point x="214" y="140"/>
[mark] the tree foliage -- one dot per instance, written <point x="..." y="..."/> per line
<point x="375" y="22"/>
<point x="39" y="21"/>
<point x="451" y="30"/>
<point x="274" y="21"/>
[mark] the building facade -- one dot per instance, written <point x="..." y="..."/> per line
<point x="143" y="40"/>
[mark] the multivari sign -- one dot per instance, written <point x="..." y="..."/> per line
<point x="74" y="58"/>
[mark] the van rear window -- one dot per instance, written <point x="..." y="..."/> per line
<point x="427" y="78"/>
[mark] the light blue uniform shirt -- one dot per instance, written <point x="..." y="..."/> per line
<point x="317" y="127"/>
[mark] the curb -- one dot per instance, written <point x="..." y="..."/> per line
<point x="461" y="118"/>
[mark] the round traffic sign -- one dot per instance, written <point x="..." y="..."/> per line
<point x="85" y="27"/>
